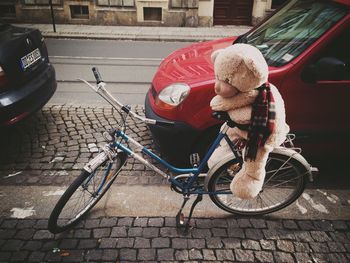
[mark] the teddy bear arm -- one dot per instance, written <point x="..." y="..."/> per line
<point x="243" y="99"/>
<point x="238" y="101"/>
<point x="219" y="103"/>
<point x="241" y="115"/>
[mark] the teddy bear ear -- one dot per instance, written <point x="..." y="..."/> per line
<point x="215" y="54"/>
<point x="258" y="67"/>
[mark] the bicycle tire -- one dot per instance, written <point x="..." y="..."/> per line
<point x="59" y="221"/>
<point x="221" y="179"/>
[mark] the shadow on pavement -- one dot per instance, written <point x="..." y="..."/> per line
<point x="33" y="143"/>
<point x="20" y="142"/>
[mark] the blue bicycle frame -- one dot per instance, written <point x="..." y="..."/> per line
<point x="194" y="172"/>
<point x="186" y="182"/>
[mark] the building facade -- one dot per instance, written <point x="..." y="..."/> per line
<point x="183" y="13"/>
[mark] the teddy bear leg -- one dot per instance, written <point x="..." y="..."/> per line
<point x="248" y="182"/>
<point x="223" y="148"/>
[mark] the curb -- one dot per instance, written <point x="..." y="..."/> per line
<point x="138" y="33"/>
<point x="130" y="38"/>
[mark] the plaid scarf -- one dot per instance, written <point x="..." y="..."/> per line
<point x="262" y="121"/>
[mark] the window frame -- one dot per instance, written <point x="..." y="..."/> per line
<point x="9" y="15"/>
<point x="113" y="5"/>
<point x="184" y="5"/>
<point x="43" y="4"/>
<point x="81" y="15"/>
<point x="147" y="13"/>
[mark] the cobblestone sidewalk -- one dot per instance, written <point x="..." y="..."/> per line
<point x="52" y="147"/>
<point x="157" y="239"/>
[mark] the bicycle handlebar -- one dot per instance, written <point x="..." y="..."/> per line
<point x="165" y="123"/>
<point x="103" y="92"/>
<point x="97" y="75"/>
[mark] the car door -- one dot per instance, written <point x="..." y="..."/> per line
<point x="318" y="94"/>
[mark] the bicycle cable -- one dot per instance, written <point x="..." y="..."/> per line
<point x="123" y="127"/>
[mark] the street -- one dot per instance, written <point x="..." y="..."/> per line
<point x="127" y="67"/>
<point x="135" y="220"/>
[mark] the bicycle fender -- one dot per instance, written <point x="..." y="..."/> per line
<point x="296" y="156"/>
<point x="278" y="150"/>
<point x="102" y="157"/>
<point x="229" y="156"/>
<point x="95" y="162"/>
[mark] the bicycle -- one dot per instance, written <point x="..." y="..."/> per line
<point x="286" y="173"/>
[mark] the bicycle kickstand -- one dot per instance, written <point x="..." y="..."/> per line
<point x="180" y="219"/>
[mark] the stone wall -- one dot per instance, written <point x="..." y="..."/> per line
<point x="173" y="13"/>
<point x="98" y="15"/>
<point x="177" y="13"/>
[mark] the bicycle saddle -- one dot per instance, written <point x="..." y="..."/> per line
<point x="223" y="116"/>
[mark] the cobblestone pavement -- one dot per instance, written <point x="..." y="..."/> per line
<point x="157" y="239"/>
<point x="52" y="147"/>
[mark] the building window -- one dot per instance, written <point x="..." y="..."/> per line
<point x="184" y="3"/>
<point x="277" y="3"/>
<point x="119" y="3"/>
<point x="79" y="11"/>
<point x="152" y="14"/>
<point x="42" y="2"/>
<point x="7" y="11"/>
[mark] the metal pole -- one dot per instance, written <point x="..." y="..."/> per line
<point x="52" y="16"/>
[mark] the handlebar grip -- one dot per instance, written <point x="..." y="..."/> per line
<point x="165" y="123"/>
<point x="221" y="115"/>
<point x="97" y="75"/>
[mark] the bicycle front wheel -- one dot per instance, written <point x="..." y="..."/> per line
<point x="85" y="191"/>
<point x="284" y="183"/>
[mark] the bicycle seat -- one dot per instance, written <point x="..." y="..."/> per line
<point x="223" y="116"/>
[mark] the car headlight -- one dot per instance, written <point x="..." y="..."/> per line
<point x="172" y="95"/>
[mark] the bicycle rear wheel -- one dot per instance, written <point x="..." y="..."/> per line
<point x="284" y="183"/>
<point x="85" y="191"/>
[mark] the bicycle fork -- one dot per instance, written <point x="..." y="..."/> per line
<point x="180" y="218"/>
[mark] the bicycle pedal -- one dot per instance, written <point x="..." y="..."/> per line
<point x="180" y="220"/>
<point x="194" y="159"/>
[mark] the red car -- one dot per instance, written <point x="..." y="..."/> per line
<point x="307" y="47"/>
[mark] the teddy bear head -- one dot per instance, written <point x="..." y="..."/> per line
<point x="238" y="68"/>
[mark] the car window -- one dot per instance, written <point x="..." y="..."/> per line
<point x="339" y="49"/>
<point x="294" y="28"/>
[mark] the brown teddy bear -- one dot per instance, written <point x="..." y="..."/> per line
<point x="243" y="91"/>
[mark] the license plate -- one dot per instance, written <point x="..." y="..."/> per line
<point x="30" y="59"/>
